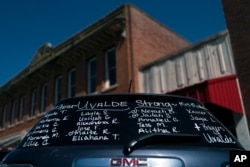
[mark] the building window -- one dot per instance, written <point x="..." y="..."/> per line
<point x="110" y="69"/>
<point x="58" y="89"/>
<point x="21" y="109"/>
<point x="92" y="76"/>
<point x="4" y="110"/>
<point x="13" y="113"/>
<point x="71" y="83"/>
<point x="43" y="98"/>
<point x="33" y="103"/>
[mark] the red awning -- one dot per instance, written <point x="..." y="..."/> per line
<point x="221" y="91"/>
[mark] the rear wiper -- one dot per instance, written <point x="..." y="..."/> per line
<point x="158" y="138"/>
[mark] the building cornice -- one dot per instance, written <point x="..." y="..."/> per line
<point x="110" y="25"/>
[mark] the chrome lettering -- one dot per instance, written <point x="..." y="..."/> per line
<point x="128" y="162"/>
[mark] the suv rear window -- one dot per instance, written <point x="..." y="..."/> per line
<point x="119" y="119"/>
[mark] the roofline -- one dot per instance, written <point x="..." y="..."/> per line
<point x="92" y="27"/>
<point x="194" y="46"/>
<point x="158" y="22"/>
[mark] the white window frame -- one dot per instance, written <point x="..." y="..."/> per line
<point x="44" y="92"/>
<point x="21" y="109"/>
<point x="109" y="68"/>
<point x="92" y="76"/>
<point x="4" y="111"/>
<point x="13" y="112"/>
<point x="33" y="103"/>
<point x="58" y="89"/>
<point x="71" y="85"/>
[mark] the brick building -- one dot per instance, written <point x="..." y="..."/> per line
<point x="237" y="17"/>
<point x="102" y="58"/>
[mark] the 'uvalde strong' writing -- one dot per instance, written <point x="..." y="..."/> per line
<point x="102" y="105"/>
<point x="150" y="104"/>
<point x="108" y="121"/>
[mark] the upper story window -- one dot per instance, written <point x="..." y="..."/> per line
<point x="21" y="109"/>
<point x="33" y="103"/>
<point x="3" y="116"/>
<point x="92" y="75"/>
<point x="110" y="69"/>
<point x="58" y="89"/>
<point x="13" y="112"/>
<point x="72" y="83"/>
<point x="43" y="98"/>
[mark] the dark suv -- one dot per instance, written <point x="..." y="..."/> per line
<point x="126" y="130"/>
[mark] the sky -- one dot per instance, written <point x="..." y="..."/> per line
<point x="25" y="25"/>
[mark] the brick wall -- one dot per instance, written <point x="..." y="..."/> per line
<point x="149" y="40"/>
<point x="237" y="17"/>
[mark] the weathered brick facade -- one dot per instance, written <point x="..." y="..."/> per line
<point x="237" y="15"/>
<point x="150" y="41"/>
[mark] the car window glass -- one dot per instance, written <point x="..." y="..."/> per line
<point x="116" y="120"/>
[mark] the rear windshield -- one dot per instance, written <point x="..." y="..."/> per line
<point x="119" y="119"/>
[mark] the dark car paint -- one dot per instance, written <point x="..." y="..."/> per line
<point x="3" y="154"/>
<point x="191" y="156"/>
<point x="64" y="156"/>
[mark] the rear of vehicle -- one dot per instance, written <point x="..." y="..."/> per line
<point x="126" y="130"/>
